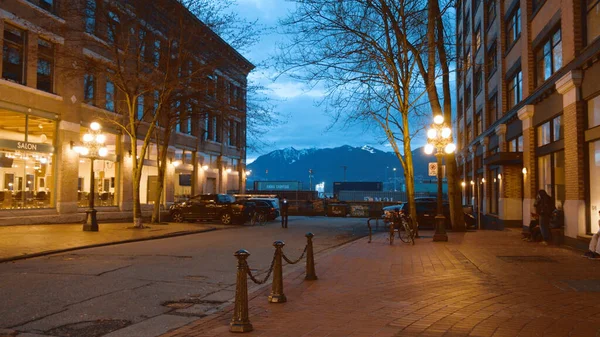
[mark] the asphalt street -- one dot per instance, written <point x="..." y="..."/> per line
<point x="147" y="288"/>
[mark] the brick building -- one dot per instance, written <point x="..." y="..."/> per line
<point x="46" y="106"/>
<point x="528" y="109"/>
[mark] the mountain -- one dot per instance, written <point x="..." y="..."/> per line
<point x="361" y="164"/>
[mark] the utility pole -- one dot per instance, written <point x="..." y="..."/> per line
<point x="345" y="167"/>
<point x="310" y="176"/>
<point x="394" y="179"/>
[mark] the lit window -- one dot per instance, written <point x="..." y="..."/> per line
<point x="593" y="20"/>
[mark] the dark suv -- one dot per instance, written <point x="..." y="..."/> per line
<point x="220" y="207"/>
<point x="426" y="212"/>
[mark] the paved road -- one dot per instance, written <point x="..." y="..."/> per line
<point x="153" y="285"/>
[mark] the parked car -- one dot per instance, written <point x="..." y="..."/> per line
<point x="263" y="206"/>
<point x="426" y="209"/>
<point x="220" y="207"/>
<point x="273" y="203"/>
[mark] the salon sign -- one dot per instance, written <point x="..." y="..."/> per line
<point x="25" y="146"/>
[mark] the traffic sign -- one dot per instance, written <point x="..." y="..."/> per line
<point x="433" y="169"/>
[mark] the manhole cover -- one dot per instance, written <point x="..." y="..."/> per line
<point x="89" y="328"/>
<point x="525" y="258"/>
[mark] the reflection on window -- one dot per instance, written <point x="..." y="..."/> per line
<point x="593" y="106"/>
<point x="13" y="63"/>
<point x="549" y="57"/>
<point x="110" y="95"/>
<point x="515" y="89"/>
<point x="513" y="27"/>
<point x="90" y="17"/>
<point x="45" y="65"/>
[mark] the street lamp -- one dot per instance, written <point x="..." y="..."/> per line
<point x="310" y="176"/>
<point x="394" y="179"/>
<point x="439" y="139"/>
<point x="93" y="148"/>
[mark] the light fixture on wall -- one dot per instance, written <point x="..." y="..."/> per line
<point x="499" y="176"/>
<point x="472" y="182"/>
<point x="524" y="170"/>
<point x="463" y="184"/>
<point x="205" y="167"/>
<point x="483" y="180"/>
<point x="175" y="163"/>
<point x="228" y="170"/>
<point x="248" y="172"/>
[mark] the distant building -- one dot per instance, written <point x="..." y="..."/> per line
<point x="42" y="113"/>
<point x="528" y="109"/>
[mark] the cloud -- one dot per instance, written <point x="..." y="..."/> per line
<point x="294" y="89"/>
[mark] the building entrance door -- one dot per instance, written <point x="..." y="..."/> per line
<point x="152" y="188"/>
<point x="211" y="185"/>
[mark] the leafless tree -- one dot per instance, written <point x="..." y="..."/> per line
<point x="364" y="52"/>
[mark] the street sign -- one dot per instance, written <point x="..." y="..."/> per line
<point x="433" y="169"/>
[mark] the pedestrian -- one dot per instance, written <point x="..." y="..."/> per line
<point x="544" y="207"/>
<point x="284" y="212"/>
<point x="594" y="248"/>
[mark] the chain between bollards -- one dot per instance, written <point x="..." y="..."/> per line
<point x="310" y="258"/>
<point x="240" y="321"/>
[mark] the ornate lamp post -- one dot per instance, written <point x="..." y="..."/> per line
<point x="93" y="148"/>
<point x="439" y="139"/>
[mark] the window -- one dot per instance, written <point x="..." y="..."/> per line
<point x="593" y="20"/>
<point x="468" y="96"/>
<point x="467" y="21"/>
<point x="491" y="11"/>
<point x="549" y="57"/>
<point x="13" y="55"/>
<point x="478" y="80"/>
<point x="156" y="52"/>
<point x="467" y="60"/>
<point x="593" y="107"/>
<point x="89" y="89"/>
<point x="44" y="4"/>
<point x="140" y="108"/>
<point x="90" y="17"/>
<point x="477" y="38"/>
<point x="513" y="27"/>
<point x="459" y="108"/>
<point x="551" y="131"/>
<point x="469" y="132"/>
<point x="551" y="170"/>
<point x="45" y="65"/>
<point x="492" y="110"/>
<point x="478" y="124"/>
<point x="515" y="87"/>
<point x="113" y="27"/>
<point x="110" y="95"/>
<point x="515" y="144"/>
<point x="492" y="59"/>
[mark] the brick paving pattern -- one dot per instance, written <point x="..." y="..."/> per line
<point x="30" y="240"/>
<point x="486" y="283"/>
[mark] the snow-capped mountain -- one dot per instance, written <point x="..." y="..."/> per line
<point x="330" y="164"/>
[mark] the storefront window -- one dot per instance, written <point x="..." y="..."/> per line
<point x="594" y="166"/>
<point x="105" y="176"/>
<point x="183" y="175"/>
<point x="551" y="170"/>
<point x="26" y="161"/>
<point x="594" y="112"/>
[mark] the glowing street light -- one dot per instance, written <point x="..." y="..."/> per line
<point x="93" y="148"/>
<point x="439" y="138"/>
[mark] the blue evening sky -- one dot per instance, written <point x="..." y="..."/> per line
<point x="305" y="124"/>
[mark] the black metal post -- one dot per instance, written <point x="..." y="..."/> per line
<point x="440" y="226"/>
<point x="91" y="223"/>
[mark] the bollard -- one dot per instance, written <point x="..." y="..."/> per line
<point x="240" y="321"/>
<point x="310" y="259"/>
<point x="277" y="295"/>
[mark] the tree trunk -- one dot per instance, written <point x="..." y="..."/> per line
<point x="137" y="207"/>
<point x="162" y="169"/>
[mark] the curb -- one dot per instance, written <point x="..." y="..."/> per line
<point x="57" y="251"/>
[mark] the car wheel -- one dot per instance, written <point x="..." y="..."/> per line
<point x="226" y="219"/>
<point x="177" y="217"/>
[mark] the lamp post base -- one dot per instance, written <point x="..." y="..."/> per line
<point x="91" y="223"/>
<point x="440" y="229"/>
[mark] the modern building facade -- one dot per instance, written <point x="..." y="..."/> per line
<point x="528" y="109"/>
<point x="45" y="110"/>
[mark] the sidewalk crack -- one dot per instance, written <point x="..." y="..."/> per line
<point x="111" y="270"/>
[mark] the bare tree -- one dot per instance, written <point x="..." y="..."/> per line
<point x="434" y="66"/>
<point x="364" y="52"/>
<point x="158" y="60"/>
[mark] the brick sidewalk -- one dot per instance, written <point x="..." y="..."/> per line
<point x="34" y="240"/>
<point x="486" y="283"/>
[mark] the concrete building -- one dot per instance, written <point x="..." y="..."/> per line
<point x="45" y="109"/>
<point x="528" y="109"/>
